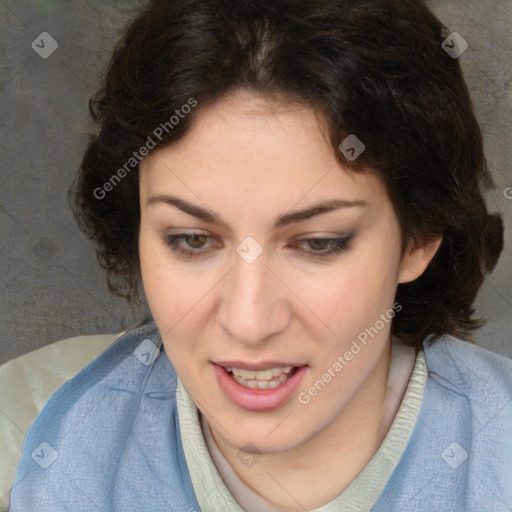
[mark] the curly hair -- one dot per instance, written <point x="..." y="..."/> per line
<point x="373" y="68"/>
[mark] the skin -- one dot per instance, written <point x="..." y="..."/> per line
<point x="249" y="159"/>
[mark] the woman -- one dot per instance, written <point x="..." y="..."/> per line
<point x="296" y="187"/>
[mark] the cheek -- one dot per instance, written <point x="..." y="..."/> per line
<point x="165" y="289"/>
<point x="168" y="300"/>
<point x="354" y="304"/>
<point x="358" y="295"/>
<point x="177" y="300"/>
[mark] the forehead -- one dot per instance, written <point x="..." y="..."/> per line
<point x="243" y="121"/>
<point x="258" y="143"/>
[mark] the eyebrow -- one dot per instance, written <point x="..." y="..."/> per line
<point x="285" y="219"/>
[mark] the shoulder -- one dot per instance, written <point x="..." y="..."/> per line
<point x="468" y="368"/>
<point x="459" y="454"/>
<point x="127" y="363"/>
<point x="26" y="384"/>
<point x="96" y="396"/>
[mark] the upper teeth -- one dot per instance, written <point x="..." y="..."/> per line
<point x="262" y="374"/>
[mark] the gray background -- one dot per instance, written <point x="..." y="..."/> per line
<point x="51" y="286"/>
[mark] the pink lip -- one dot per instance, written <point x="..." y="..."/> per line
<point x="262" y="365"/>
<point x="257" y="399"/>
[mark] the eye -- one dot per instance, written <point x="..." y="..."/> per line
<point x="195" y="244"/>
<point x="326" y="247"/>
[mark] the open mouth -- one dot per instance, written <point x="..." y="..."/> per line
<point x="262" y="379"/>
<point x="269" y="386"/>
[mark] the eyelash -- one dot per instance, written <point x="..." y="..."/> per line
<point x="338" y="245"/>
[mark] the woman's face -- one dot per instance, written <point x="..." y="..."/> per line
<point x="238" y="280"/>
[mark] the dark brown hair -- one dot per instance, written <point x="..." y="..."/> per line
<point x="372" y="68"/>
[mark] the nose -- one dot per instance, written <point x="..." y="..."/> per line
<point x="254" y="305"/>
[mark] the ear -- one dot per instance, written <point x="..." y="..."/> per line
<point x="416" y="260"/>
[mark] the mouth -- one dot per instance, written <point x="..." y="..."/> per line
<point x="259" y="387"/>
<point x="261" y="379"/>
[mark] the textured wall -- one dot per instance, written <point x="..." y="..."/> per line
<point x="50" y="284"/>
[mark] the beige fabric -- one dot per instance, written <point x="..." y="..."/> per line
<point x="211" y="482"/>
<point x="26" y="383"/>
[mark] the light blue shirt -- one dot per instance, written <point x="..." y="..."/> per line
<point x="109" y="439"/>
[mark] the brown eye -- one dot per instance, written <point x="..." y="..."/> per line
<point x="319" y="243"/>
<point x="196" y="241"/>
<point x="193" y="246"/>
<point x="327" y="247"/>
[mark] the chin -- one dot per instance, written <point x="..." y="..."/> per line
<point x="267" y="435"/>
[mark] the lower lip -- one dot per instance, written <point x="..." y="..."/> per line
<point x="258" y="399"/>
